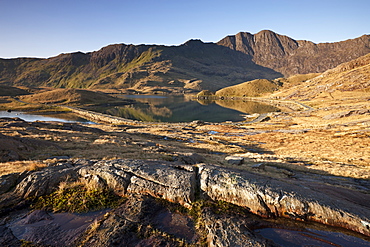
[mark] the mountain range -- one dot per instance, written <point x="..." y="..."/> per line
<point x="190" y="67"/>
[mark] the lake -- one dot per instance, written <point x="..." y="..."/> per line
<point x="60" y="117"/>
<point x="154" y="108"/>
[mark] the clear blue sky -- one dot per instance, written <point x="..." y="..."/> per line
<point x="45" y="28"/>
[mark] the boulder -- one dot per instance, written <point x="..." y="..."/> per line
<point x="234" y="160"/>
<point x="305" y="197"/>
<point x="190" y="158"/>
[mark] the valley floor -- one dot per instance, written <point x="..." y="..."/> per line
<point x="331" y="138"/>
<point x="328" y="142"/>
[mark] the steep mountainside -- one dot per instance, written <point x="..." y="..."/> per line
<point x="194" y="65"/>
<point x="289" y="56"/>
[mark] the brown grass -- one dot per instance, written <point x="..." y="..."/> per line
<point x="20" y="166"/>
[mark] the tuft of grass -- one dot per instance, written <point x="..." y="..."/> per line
<point x="36" y="166"/>
<point x="78" y="197"/>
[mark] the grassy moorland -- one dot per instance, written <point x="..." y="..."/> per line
<point x="331" y="135"/>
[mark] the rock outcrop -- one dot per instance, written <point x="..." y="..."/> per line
<point x="303" y="197"/>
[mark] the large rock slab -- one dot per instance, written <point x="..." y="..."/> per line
<point x="7" y="237"/>
<point x="159" y="179"/>
<point x="170" y="181"/>
<point x="270" y="197"/>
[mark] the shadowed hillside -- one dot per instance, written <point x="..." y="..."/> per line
<point x="192" y="66"/>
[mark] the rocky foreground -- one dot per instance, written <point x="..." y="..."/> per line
<point x="189" y="184"/>
<point x="316" y="198"/>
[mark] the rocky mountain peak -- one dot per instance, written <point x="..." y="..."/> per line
<point x="289" y="56"/>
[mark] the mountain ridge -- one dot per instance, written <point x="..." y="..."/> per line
<point x="190" y="67"/>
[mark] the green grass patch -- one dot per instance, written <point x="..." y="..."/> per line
<point x="78" y="198"/>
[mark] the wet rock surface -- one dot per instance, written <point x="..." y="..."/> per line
<point x="231" y="230"/>
<point x="149" y="216"/>
<point x="140" y="221"/>
<point x="49" y="229"/>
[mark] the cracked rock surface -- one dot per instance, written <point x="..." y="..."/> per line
<point x="316" y="198"/>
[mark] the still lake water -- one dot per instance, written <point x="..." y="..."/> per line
<point x="155" y="108"/>
<point x="64" y="117"/>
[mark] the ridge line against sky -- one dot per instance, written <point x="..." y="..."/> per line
<point x="46" y="28"/>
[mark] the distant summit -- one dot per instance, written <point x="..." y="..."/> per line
<point x="190" y="67"/>
<point x="289" y="56"/>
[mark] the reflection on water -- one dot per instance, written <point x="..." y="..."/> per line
<point x="153" y="108"/>
<point x="247" y="106"/>
<point x="181" y="109"/>
<point x="60" y="117"/>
